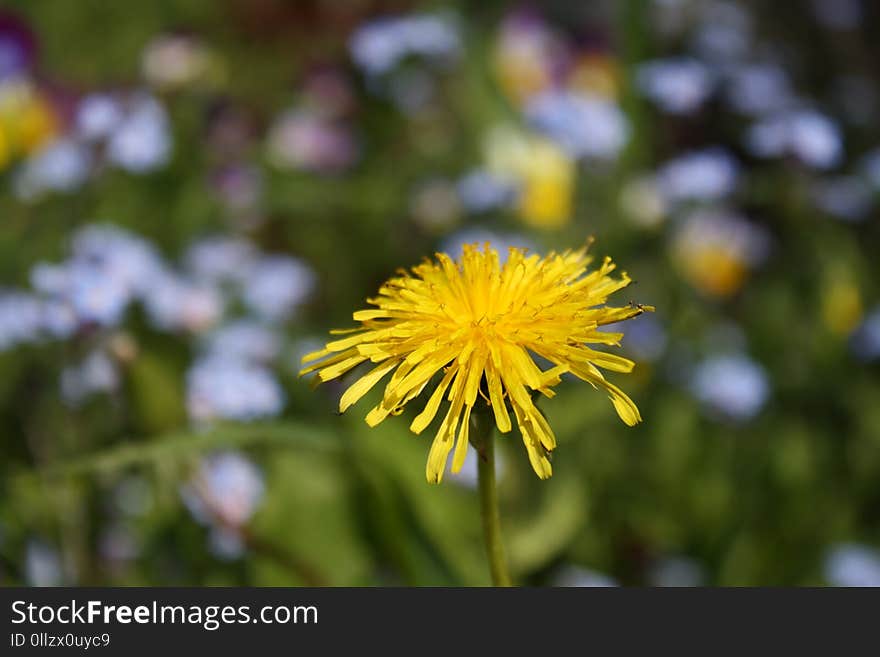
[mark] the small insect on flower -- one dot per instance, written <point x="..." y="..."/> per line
<point x="482" y="324"/>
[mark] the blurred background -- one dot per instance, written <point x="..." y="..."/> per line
<point x="192" y="193"/>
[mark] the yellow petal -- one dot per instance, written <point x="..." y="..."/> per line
<point x="462" y="445"/>
<point x="537" y="455"/>
<point x="423" y="419"/>
<point x="364" y="384"/>
<point x="625" y="407"/>
<point x="340" y="368"/>
<point x="502" y="417"/>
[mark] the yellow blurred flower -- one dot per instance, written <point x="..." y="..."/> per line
<point x="523" y="61"/>
<point x="546" y="175"/>
<point x="482" y="324"/>
<point x="38" y="125"/>
<point x="27" y="120"/>
<point x="596" y="73"/>
<point x="715" y="250"/>
<point x="842" y="308"/>
<point x="5" y="149"/>
<point x="714" y="270"/>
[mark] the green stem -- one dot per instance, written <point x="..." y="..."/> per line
<point x="489" y="511"/>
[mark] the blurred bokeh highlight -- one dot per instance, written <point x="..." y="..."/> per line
<point x="192" y="193"/>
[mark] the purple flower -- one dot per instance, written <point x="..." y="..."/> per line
<point x="17" y="47"/>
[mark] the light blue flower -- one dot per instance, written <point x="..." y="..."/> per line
<point x="62" y="166"/>
<point x="501" y="242"/>
<point x="806" y="135"/>
<point x="848" y="198"/>
<point x="583" y="125"/>
<point x="759" y="89"/>
<point x="21" y="319"/>
<point x="276" y="286"/>
<point x="678" y="86"/>
<point x="575" y="576"/>
<point x="42" y="565"/>
<point x="223" y="494"/>
<point x="225" y="388"/>
<point x="482" y="191"/>
<point x="851" y="564"/>
<point x="97" y="116"/>
<point x="244" y="339"/>
<point x="141" y="143"/>
<point x="731" y="387"/>
<point x="98" y="373"/>
<point x="865" y="340"/>
<point x="380" y="45"/>
<point x="220" y="259"/>
<point x="175" y="303"/>
<point x="705" y="175"/>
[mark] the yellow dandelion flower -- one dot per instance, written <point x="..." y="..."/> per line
<point x="482" y="324"/>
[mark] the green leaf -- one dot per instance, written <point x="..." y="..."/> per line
<point x="536" y="540"/>
<point x="183" y="444"/>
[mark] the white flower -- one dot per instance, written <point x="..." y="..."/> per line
<point x="644" y="202"/>
<point x="174" y="61"/>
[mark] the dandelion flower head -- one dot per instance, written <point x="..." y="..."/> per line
<point x="480" y="325"/>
